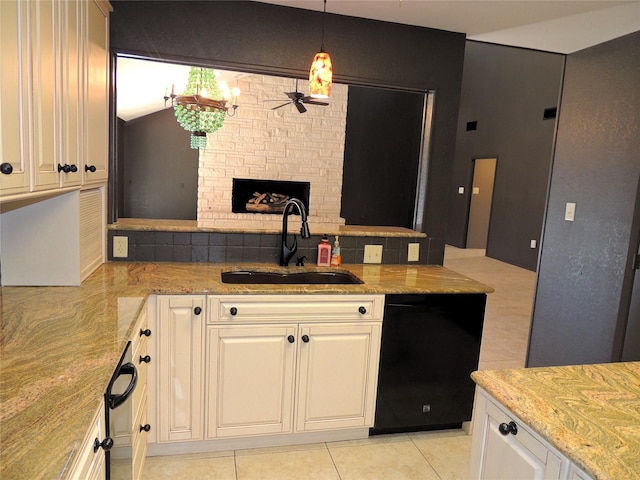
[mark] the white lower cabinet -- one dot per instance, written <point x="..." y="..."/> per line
<point x="254" y="387"/>
<point x="503" y="447"/>
<point x="258" y="366"/>
<point x="179" y="376"/>
<point x="250" y="374"/>
<point x="90" y="463"/>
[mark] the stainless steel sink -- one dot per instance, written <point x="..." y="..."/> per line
<point x="328" y="277"/>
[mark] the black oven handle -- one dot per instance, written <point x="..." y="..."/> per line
<point x="125" y="369"/>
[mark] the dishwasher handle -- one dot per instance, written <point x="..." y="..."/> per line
<point x="118" y="399"/>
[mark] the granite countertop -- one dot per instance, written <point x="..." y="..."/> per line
<point x="59" y="345"/>
<point x="590" y="413"/>
<point x="159" y="225"/>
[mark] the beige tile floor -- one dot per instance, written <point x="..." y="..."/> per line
<point x="439" y="455"/>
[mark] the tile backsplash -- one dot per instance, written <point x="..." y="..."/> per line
<point x="218" y="247"/>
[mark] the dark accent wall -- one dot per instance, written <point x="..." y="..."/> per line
<point x="154" y="149"/>
<point x="381" y="156"/>
<point x="263" y="38"/>
<point x="596" y="165"/>
<point x="505" y="92"/>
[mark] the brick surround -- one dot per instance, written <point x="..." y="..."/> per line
<point x="282" y="144"/>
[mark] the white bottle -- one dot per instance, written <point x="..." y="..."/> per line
<point x="336" y="258"/>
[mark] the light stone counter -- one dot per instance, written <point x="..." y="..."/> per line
<point x="60" y="345"/>
<point x="590" y="413"/>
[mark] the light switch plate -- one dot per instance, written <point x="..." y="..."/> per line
<point x="570" y="212"/>
<point x="372" y="254"/>
<point x="413" y="252"/>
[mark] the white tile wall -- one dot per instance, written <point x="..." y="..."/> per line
<point x="265" y="144"/>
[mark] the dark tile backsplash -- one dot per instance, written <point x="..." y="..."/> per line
<point x="146" y="246"/>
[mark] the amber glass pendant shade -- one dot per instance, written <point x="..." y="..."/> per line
<point x="320" y="76"/>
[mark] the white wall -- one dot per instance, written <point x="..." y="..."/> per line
<point x="265" y="144"/>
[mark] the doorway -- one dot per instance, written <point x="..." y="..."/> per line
<point x="484" y="171"/>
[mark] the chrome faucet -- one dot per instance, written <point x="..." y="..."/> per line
<point x="287" y="252"/>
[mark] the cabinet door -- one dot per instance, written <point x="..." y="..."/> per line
<point x="46" y="66"/>
<point x="515" y="456"/>
<point x="337" y="377"/>
<point x="97" y="96"/>
<point x="90" y="464"/>
<point x="250" y="379"/>
<point x="70" y="109"/>
<point x="14" y="119"/>
<point x="180" y="373"/>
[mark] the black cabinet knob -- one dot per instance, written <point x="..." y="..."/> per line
<point x="291" y="338"/>
<point x="105" y="444"/>
<point x="145" y="359"/>
<point x="73" y="168"/>
<point x="64" y="168"/>
<point x="507" y="428"/>
<point x="362" y="310"/>
<point x="233" y="310"/>
<point x="89" y="168"/>
<point x="305" y="338"/>
<point x="197" y="310"/>
<point x="6" y="168"/>
<point x="145" y="428"/>
<point x="146" y="332"/>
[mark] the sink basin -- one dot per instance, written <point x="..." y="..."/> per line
<point x="329" y="277"/>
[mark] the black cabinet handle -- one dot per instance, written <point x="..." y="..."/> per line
<point x="89" y="168"/>
<point x="506" y="429"/>
<point x="145" y="359"/>
<point x="146" y="332"/>
<point x="105" y="444"/>
<point x="291" y="338"/>
<point x="233" y="310"/>
<point x="6" y="168"/>
<point x="145" y="428"/>
<point x="197" y="310"/>
<point x="305" y="338"/>
<point x="362" y="310"/>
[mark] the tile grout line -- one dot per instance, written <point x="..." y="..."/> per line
<point x="333" y="461"/>
<point x="425" y="458"/>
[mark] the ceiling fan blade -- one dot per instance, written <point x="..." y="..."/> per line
<point x="300" y="107"/>
<point x="280" y="106"/>
<point x="315" y="102"/>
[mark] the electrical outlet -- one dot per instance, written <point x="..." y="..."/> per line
<point x="413" y="252"/>
<point x="120" y="247"/>
<point x="533" y="244"/>
<point x="373" y="254"/>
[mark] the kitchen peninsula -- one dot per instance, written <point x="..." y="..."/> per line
<point x="588" y="414"/>
<point x="59" y="345"/>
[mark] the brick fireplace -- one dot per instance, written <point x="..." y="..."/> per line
<point x="280" y="145"/>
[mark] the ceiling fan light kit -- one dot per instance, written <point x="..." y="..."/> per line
<point x="321" y="72"/>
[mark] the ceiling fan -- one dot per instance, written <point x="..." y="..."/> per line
<point x="299" y="99"/>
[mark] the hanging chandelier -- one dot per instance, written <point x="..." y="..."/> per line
<point x="321" y="72"/>
<point x="196" y="109"/>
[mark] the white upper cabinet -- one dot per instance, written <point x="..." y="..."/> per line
<point x="54" y="95"/>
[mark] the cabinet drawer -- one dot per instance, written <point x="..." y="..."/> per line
<point x="278" y="308"/>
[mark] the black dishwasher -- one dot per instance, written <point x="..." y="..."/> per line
<point x="430" y="346"/>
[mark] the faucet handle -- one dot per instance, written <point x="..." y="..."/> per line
<point x="300" y="261"/>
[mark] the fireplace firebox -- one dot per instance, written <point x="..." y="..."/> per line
<point x="266" y="196"/>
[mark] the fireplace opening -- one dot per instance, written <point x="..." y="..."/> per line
<point x="266" y="196"/>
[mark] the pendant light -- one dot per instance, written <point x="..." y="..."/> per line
<point x="321" y="72"/>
